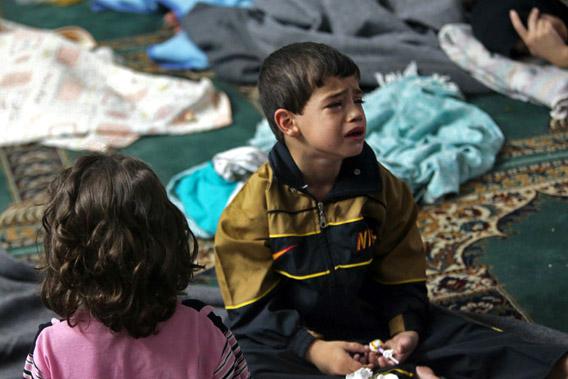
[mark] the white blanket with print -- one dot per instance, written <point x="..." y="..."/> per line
<point x="60" y="93"/>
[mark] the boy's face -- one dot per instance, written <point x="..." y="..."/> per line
<point x="332" y="124"/>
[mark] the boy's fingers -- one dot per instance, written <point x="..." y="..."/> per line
<point x="533" y="18"/>
<point x="517" y="24"/>
<point x="383" y="362"/>
<point x="404" y="347"/>
<point x="353" y="365"/>
<point x="373" y="357"/>
<point x="401" y="347"/>
<point x="355" y="347"/>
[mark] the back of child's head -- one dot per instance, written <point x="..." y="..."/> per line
<point x="289" y="76"/>
<point x="115" y="246"/>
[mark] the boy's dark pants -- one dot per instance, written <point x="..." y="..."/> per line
<point x="454" y="346"/>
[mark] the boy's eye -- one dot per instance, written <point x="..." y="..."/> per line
<point x="359" y="101"/>
<point x="334" y="105"/>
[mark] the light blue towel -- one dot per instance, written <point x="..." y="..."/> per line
<point x="425" y="134"/>
<point x="421" y="130"/>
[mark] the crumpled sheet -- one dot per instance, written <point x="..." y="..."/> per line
<point x="62" y="94"/>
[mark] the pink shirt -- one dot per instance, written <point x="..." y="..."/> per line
<point x="193" y="343"/>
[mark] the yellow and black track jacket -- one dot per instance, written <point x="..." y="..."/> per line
<point x="350" y="267"/>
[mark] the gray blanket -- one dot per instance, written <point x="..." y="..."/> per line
<point x="380" y="36"/>
<point x="21" y="312"/>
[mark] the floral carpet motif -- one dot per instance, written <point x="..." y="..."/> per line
<point x="455" y="278"/>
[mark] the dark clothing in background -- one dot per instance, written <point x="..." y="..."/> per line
<point x="21" y="311"/>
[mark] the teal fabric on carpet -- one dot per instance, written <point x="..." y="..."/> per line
<point x="202" y="194"/>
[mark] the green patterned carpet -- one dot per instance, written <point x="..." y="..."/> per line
<point x="499" y="247"/>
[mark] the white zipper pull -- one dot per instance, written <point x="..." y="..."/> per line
<point x="323" y="219"/>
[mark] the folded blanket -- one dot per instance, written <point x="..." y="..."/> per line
<point x="539" y="83"/>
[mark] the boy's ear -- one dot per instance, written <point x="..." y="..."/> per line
<point x="285" y="120"/>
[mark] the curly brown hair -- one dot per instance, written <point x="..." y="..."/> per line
<point x="115" y="245"/>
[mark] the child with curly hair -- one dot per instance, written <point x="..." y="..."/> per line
<point x="117" y="254"/>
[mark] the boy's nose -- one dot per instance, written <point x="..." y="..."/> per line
<point x="355" y="113"/>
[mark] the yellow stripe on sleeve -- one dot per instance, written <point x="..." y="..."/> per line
<point x="304" y="277"/>
<point x="254" y="300"/>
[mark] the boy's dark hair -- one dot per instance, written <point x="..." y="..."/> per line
<point x="289" y="76"/>
<point x="114" y="245"/>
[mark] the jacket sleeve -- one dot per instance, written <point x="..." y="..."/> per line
<point x="399" y="268"/>
<point x="251" y="289"/>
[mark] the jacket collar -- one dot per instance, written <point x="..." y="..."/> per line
<point x="359" y="175"/>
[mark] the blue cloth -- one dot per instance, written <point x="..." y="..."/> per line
<point x="425" y="134"/>
<point x="180" y="53"/>
<point x="179" y="7"/>
<point x="182" y="7"/>
<point x="133" y="6"/>
<point x="202" y="195"/>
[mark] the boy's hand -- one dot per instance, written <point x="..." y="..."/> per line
<point x="543" y="36"/>
<point x="337" y="357"/>
<point x="403" y="345"/>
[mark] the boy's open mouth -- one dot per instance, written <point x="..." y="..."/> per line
<point x="356" y="132"/>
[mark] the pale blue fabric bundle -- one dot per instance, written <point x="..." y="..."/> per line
<point x="421" y="130"/>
